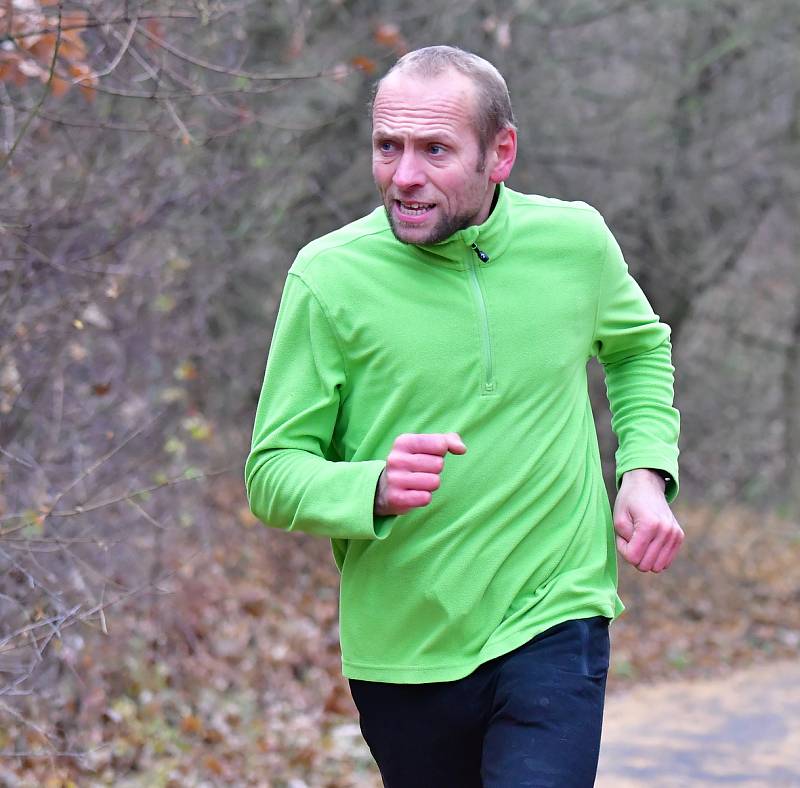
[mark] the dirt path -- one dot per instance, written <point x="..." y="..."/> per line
<point x="742" y="729"/>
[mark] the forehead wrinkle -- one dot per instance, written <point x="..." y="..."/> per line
<point x="436" y="129"/>
<point x="457" y="102"/>
<point x="428" y="121"/>
<point x="440" y="106"/>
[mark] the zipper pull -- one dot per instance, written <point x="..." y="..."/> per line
<point x="482" y="256"/>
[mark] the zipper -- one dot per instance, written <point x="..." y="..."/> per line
<point x="484" y="258"/>
<point x="488" y="382"/>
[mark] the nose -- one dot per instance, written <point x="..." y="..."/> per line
<point x="408" y="172"/>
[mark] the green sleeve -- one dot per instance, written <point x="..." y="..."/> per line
<point x="292" y="477"/>
<point x="635" y="351"/>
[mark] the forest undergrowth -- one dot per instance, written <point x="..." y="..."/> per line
<point x="230" y="674"/>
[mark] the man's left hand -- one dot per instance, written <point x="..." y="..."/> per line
<point x="648" y="535"/>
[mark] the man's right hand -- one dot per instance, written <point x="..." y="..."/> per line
<point x="412" y="471"/>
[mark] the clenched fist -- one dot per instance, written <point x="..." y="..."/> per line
<point x="648" y="535"/>
<point x="412" y="471"/>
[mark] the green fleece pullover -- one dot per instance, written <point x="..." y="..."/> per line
<point x="375" y="338"/>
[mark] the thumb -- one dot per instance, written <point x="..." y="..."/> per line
<point x="454" y="443"/>
<point x="623" y="525"/>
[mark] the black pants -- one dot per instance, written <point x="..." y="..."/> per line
<point x="531" y="717"/>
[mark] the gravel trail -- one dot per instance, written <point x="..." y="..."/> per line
<point x="742" y="729"/>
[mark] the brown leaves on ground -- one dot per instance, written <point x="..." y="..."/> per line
<point x="731" y="598"/>
<point x="232" y="675"/>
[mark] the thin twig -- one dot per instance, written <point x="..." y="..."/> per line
<point x="122" y="20"/>
<point x="69" y="619"/>
<point x="62" y="617"/>
<point x="118" y="57"/>
<point x="27" y="723"/>
<point x="197" y="92"/>
<point x="136" y="493"/>
<point x="98" y="463"/>
<point x="187" y="135"/>
<point x="231" y="72"/>
<point x="7" y="158"/>
<point x="105" y="125"/>
<point x="147" y="516"/>
<point x="53" y="754"/>
<point x="15" y="458"/>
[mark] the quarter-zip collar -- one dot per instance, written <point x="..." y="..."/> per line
<point x="491" y="237"/>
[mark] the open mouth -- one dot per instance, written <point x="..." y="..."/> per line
<point x="410" y="208"/>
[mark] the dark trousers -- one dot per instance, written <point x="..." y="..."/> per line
<point x="531" y="717"/>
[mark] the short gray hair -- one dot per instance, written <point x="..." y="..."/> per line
<point x="494" y="111"/>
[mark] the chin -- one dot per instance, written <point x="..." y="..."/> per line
<point x="408" y="237"/>
<point x="408" y="234"/>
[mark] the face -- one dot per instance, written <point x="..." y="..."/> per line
<point x="426" y="158"/>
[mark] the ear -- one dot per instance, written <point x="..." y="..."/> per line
<point x="503" y="154"/>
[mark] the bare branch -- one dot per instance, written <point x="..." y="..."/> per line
<point x="102" y="124"/>
<point x="7" y="158"/>
<point x="186" y="134"/>
<point x="120" y="54"/>
<point x="122" y="20"/>
<point x="108" y="502"/>
<point x="26" y="722"/>
<point x="231" y="72"/>
<point x="150" y="519"/>
<point x="101" y="461"/>
<point x="127" y="497"/>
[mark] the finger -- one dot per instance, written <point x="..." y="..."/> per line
<point x="430" y="443"/>
<point x="408" y="480"/>
<point x="422" y="443"/>
<point x="638" y="544"/>
<point x="421" y="463"/>
<point x="653" y="550"/>
<point x="400" y="500"/>
<point x="670" y="551"/>
<point x="664" y="558"/>
<point x="454" y="443"/>
<point x="622" y="546"/>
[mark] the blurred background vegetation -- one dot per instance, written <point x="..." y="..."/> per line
<point x="160" y="164"/>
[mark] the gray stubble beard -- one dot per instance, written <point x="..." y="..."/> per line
<point x="442" y="230"/>
<point x="446" y="226"/>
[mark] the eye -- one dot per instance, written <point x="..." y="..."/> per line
<point x="385" y="146"/>
<point x="436" y="149"/>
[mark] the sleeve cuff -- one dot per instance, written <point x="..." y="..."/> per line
<point x="670" y="477"/>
